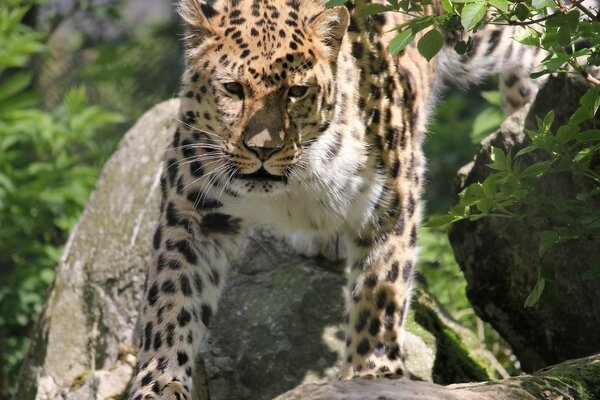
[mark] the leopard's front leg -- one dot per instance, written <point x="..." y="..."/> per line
<point x="194" y="246"/>
<point x="382" y="258"/>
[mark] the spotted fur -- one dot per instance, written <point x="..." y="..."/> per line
<point x="296" y="116"/>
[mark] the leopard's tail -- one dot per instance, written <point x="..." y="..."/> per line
<point x="494" y="51"/>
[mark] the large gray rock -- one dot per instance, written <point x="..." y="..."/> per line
<point x="279" y="322"/>
<point x="499" y="257"/>
<point x="80" y="346"/>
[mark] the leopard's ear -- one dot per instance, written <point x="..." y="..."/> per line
<point x="330" y="27"/>
<point x="199" y="17"/>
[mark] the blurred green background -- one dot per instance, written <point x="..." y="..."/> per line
<point x="74" y="75"/>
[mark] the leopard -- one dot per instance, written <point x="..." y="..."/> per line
<point x="296" y="115"/>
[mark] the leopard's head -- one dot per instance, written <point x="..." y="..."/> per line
<point x="259" y="84"/>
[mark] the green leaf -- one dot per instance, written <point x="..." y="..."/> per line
<point x="536" y="169"/>
<point x="430" y="44"/>
<point x="528" y="37"/>
<point x="591" y="100"/>
<point x="485" y="123"/>
<point x="501" y="5"/>
<point x="492" y="97"/>
<point x="14" y="85"/>
<point x="472" y="14"/>
<point x="370" y="9"/>
<point x="447" y="6"/>
<point x="398" y="43"/>
<point x="441" y="220"/>
<point x="547" y="240"/>
<point x="539" y="3"/>
<point x="591" y="135"/>
<point x="6" y="183"/>
<point x="548" y="120"/>
<point x="564" y="36"/>
<point x="586" y="154"/>
<point x="536" y="293"/>
<point x="521" y="12"/>
<point x="335" y="3"/>
<point x="555" y="61"/>
<point x="526" y="150"/>
<point x="566" y="133"/>
<point x="499" y="159"/>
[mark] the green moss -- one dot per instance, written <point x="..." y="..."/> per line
<point x="574" y="380"/>
<point x="80" y="380"/>
<point x="585" y="381"/>
<point x="285" y="276"/>
<point x="453" y="361"/>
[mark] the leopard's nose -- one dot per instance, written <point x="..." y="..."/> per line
<point x="263" y="153"/>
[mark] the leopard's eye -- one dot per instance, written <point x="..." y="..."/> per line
<point x="235" y="88"/>
<point x="297" y="91"/>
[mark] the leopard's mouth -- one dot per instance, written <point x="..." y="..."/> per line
<point x="262" y="175"/>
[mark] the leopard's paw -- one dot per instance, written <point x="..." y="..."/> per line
<point x="175" y="390"/>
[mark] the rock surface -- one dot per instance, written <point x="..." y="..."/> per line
<point x="279" y="323"/>
<point x="499" y="257"/>
<point x="572" y="380"/>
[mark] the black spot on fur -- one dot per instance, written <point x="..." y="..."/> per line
<point x="147" y="379"/>
<point x="163" y="363"/>
<point x="174" y="264"/>
<point x="206" y="311"/>
<point x="407" y="271"/>
<point x="363" y="347"/>
<point x="511" y="80"/>
<point x="389" y="316"/>
<point x="399" y="227"/>
<point x="184" y="282"/>
<point x="184" y="317"/>
<point x="214" y="277"/>
<point x="198" y="283"/>
<point x="413" y="236"/>
<point x="208" y="10"/>
<point x="168" y="286"/>
<point x="172" y="170"/>
<point x="374" y="326"/>
<point x="392" y="274"/>
<point x="493" y="41"/>
<point x="170" y="335"/>
<point x="158" y="340"/>
<point x="148" y="336"/>
<point x="381" y="298"/>
<point x="371" y="281"/>
<point x="394" y="352"/>
<point x="186" y="249"/>
<point x="196" y="169"/>
<point x="363" y="316"/>
<point x="153" y="294"/>
<point x="357" y="50"/>
<point x="182" y="358"/>
<point x="157" y="238"/>
<point x="201" y="202"/>
<point x="172" y="215"/>
<point x="220" y="223"/>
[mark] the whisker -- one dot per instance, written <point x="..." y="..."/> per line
<point x="189" y="160"/>
<point x="192" y="127"/>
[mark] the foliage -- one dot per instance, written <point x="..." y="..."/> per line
<point x="571" y="148"/>
<point x="511" y="187"/>
<point x="565" y="24"/>
<point x="457" y="126"/>
<point x="49" y="162"/>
